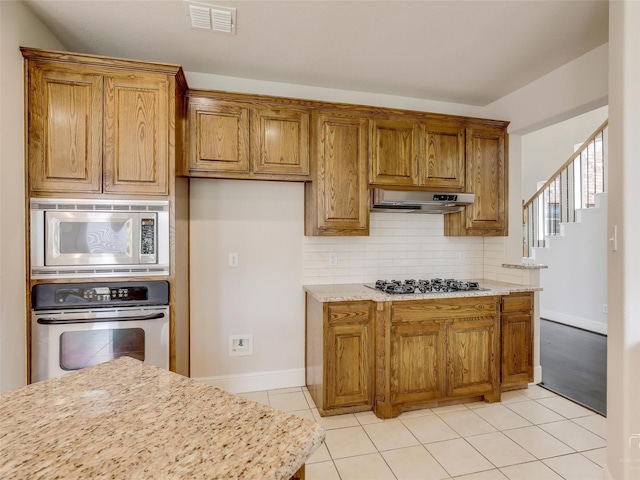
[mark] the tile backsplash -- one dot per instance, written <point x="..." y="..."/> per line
<point x="399" y="246"/>
<point x="402" y="246"/>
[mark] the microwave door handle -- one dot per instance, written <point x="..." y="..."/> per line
<point x="55" y="321"/>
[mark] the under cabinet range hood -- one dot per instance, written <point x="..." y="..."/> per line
<point x="409" y="201"/>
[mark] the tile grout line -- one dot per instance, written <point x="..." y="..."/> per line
<point x="362" y="425"/>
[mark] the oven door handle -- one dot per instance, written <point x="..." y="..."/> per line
<point x="55" y="321"/>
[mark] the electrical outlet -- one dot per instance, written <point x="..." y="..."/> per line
<point x="233" y="260"/>
<point x="333" y="259"/>
<point x="462" y="258"/>
<point x="605" y="308"/>
<point x="240" y="345"/>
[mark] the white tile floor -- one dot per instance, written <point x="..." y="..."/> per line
<point x="531" y="434"/>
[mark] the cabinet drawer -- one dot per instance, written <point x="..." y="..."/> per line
<point x="517" y="302"/>
<point x="443" y="309"/>
<point x="348" y="312"/>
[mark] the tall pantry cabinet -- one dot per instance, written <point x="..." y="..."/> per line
<point x="101" y="127"/>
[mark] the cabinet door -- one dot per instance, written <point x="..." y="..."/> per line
<point x="517" y="340"/>
<point x="136" y="129"/>
<point x="486" y="177"/>
<point x="280" y="141"/>
<point x="64" y="130"/>
<point x="394" y="152"/>
<point x="417" y="362"/>
<point x="337" y="199"/>
<point x="218" y="136"/>
<point x="442" y="161"/>
<point x="348" y="355"/>
<point x="472" y="357"/>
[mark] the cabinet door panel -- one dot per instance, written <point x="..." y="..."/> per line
<point x="394" y="152"/>
<point x="349" y="367"/>
<point x="417" y="362"/>
<point x="219" y="136"/>
<point x="471" y="354"/>
<point x="486" y="173"/>
<point x="342" y="203"/>
<point x="65" y="131"/>
<point x="443" y="164"/>
<point x="136" y="157"/>
<point x="486" y="176"/>
<point x="517" y="364"/>
<point x="280" y="141"/>
<point x="517" y="340"/>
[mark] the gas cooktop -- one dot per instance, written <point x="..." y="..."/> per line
<point x="435" y="285"/>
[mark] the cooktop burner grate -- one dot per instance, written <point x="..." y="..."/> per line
<point x="435" y="285"/>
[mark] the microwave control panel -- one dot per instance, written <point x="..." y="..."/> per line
<point x="148" y="236"/>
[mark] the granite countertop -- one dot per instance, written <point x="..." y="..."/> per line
<point x="128" y="419"/>
<point x="357" y="291"/>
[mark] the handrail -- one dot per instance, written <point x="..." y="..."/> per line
<point x="566" y="191"/>
<point x="575" y="155"/>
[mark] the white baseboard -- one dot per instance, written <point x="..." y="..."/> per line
<point x="257" y="381"/>
<point x="574" y="321"/>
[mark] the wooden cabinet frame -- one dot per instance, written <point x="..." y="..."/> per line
<point x="337" y="198"/>
<point x="414" y="153"/>
<point x="433" y="352"/>
<point x="246" y="137"/>
<point x="517" y="340"/>
<point x="339" y="355"/>
<point x="93" y="129"/>
<point x="100" y="127"/>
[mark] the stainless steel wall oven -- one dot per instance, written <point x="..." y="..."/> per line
<point x="76" y="325"/>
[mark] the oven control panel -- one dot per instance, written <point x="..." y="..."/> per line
<point x="100" y="294"/>
<point x="64" y="295"/>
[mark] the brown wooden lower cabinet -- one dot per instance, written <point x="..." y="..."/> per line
<point x="517" y="340"/>
<point x="440" y="351"/>
<point x="405" y="355"/>
<point x="339" y="356"/>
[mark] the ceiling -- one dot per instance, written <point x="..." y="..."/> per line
<point x="470" y="52"/>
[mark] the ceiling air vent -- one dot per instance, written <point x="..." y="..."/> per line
<point x="204" y="16"/>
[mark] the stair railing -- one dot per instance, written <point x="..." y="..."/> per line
<point x="573" y="186"/>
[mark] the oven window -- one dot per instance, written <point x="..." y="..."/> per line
<point x="90" y="347"/>
<point x="94" y="237"/>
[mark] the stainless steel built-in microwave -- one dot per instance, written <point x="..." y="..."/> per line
<point x="98" y="238"/>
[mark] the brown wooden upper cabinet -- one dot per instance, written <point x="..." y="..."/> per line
<point x="486" y="176"/>
<point x="337" y="198"/>
<point x="410" y="153"/>
<point x="94" y="129"/>
<point x="232" y="138"/>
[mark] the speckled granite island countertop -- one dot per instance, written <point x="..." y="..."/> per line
<point x="357" y="291"/>
<point x="128" y="419"/>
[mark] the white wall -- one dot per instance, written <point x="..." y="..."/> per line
<point x="244" y="85"/>
<point x="545" y="150"/>
<point x="573" y="89"/>
<point x="263" y="222"/>
<point x="18" y="27"/>
<point x="623" y="350"/>
<point x="575" y="284"/>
